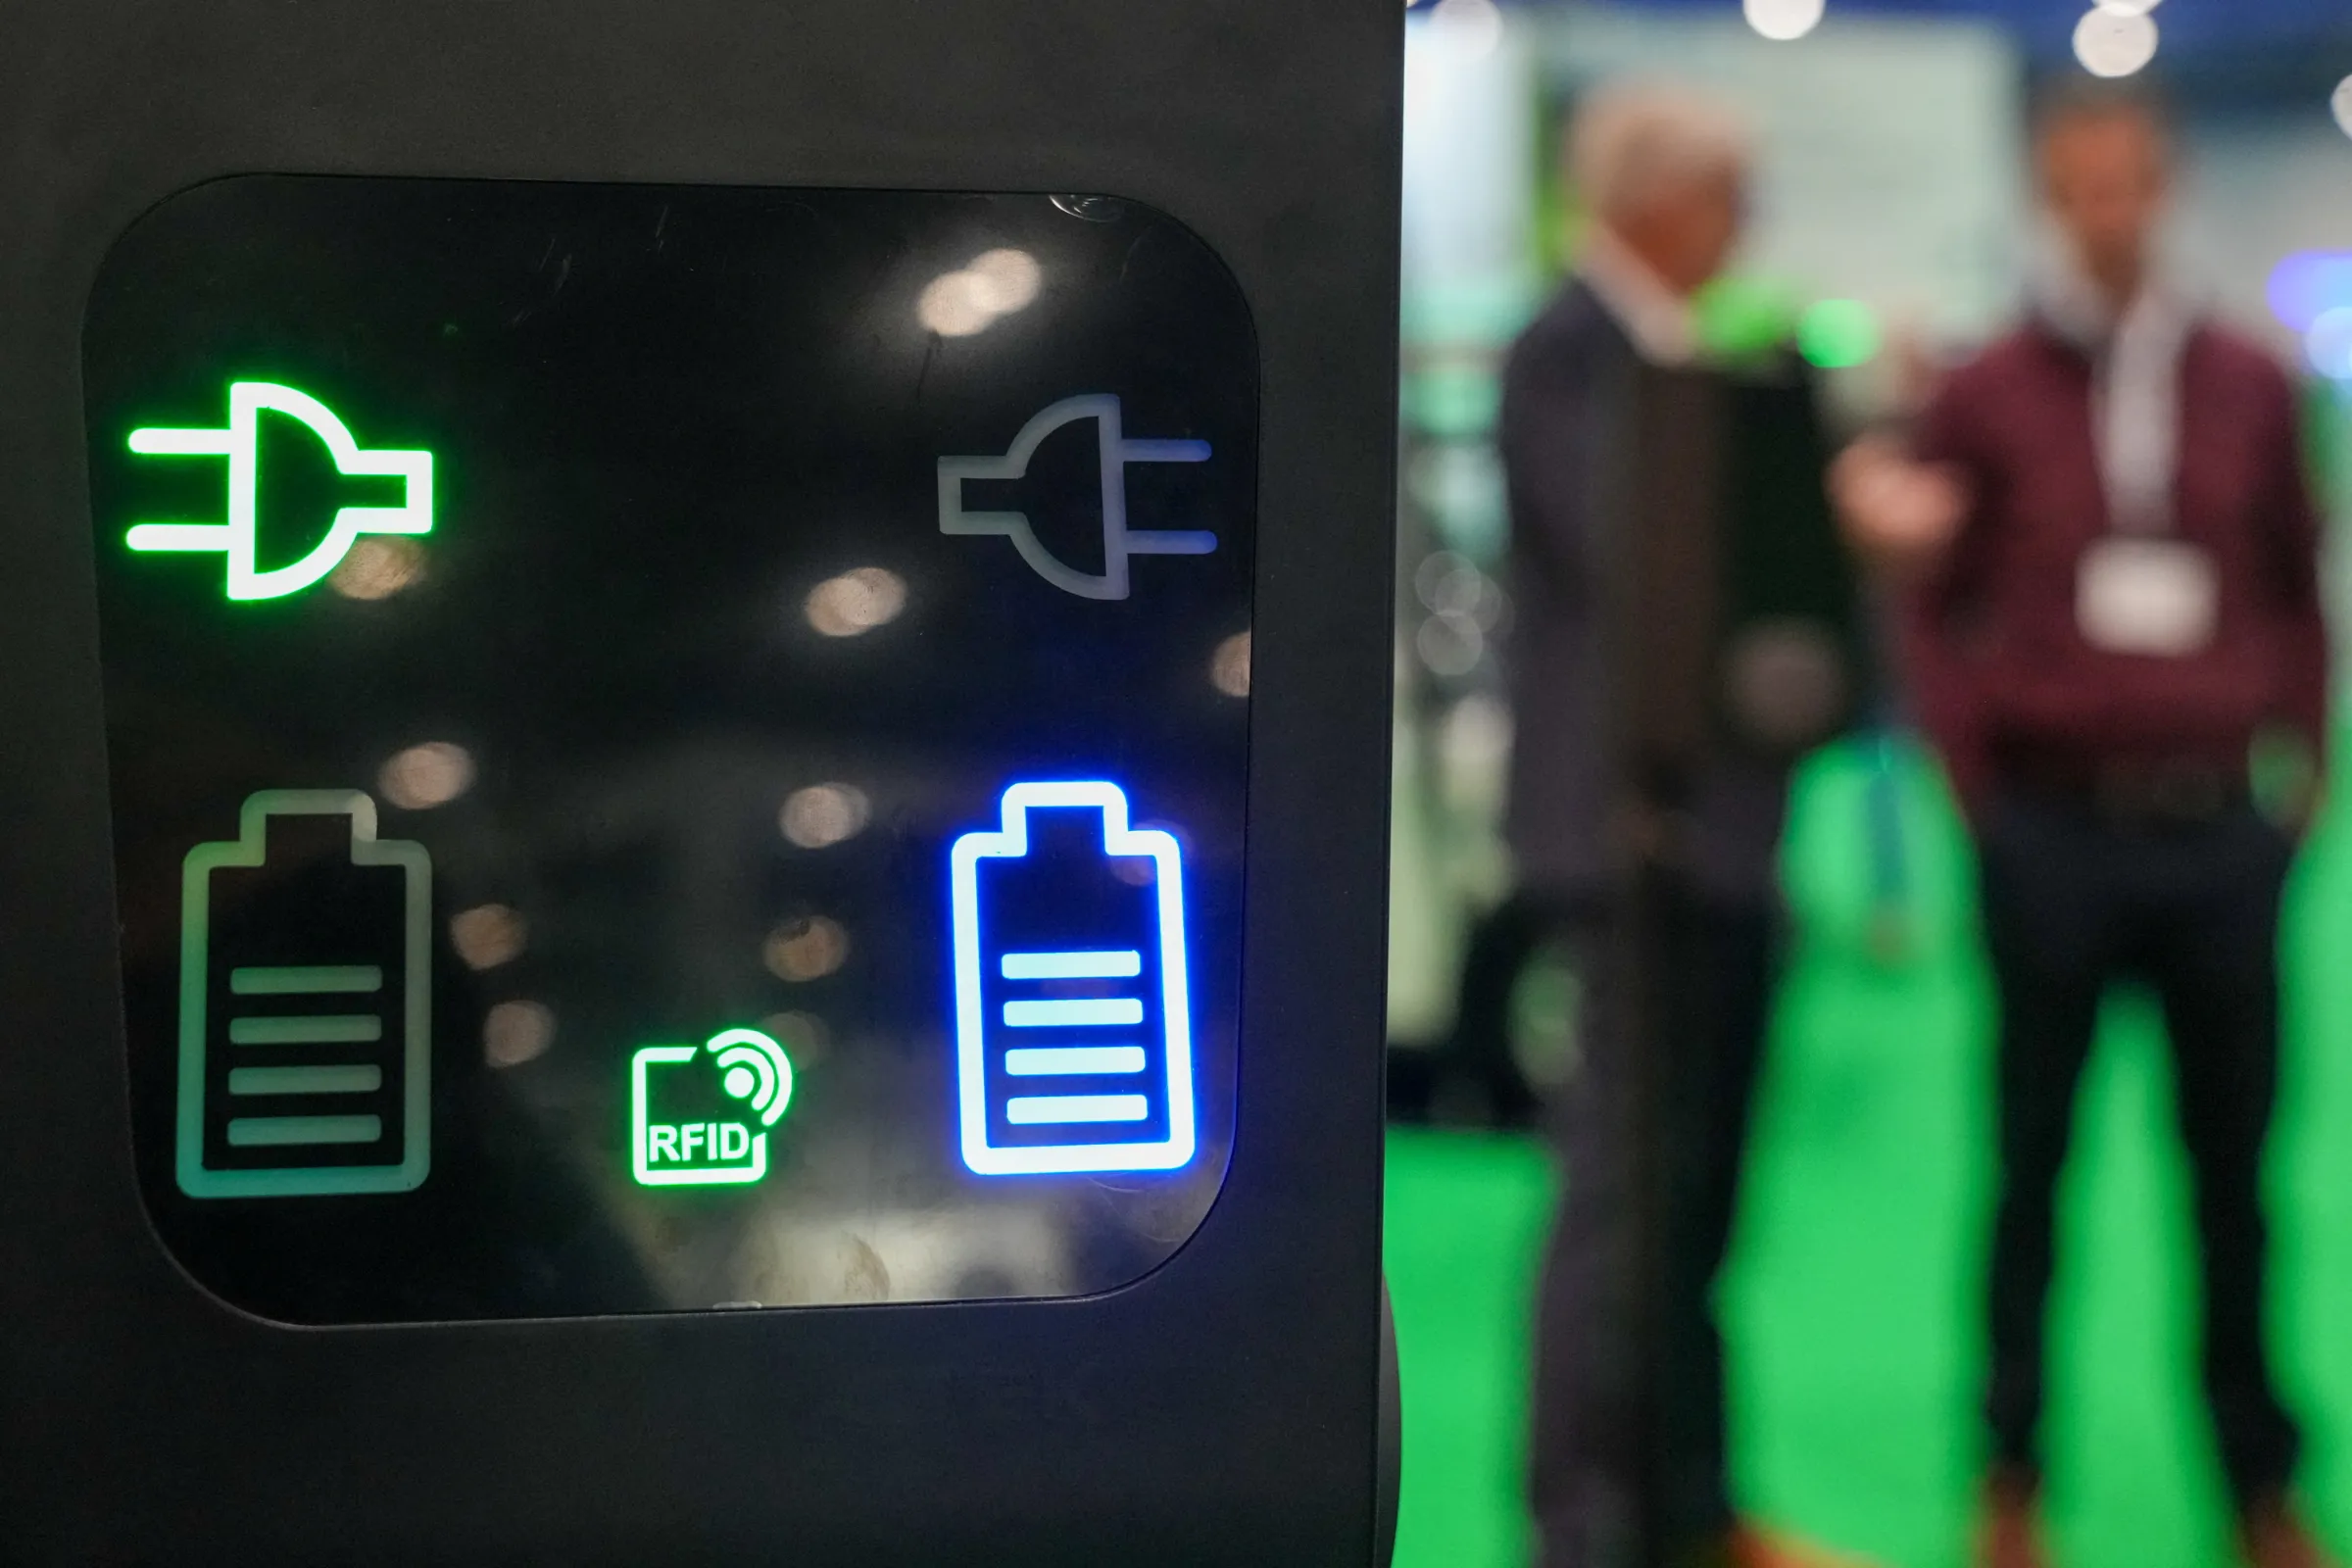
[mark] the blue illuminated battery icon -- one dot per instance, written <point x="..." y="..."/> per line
<point x="1074" y="1030"/>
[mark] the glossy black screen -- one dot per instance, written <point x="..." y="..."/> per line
<point x="482" y="846"/>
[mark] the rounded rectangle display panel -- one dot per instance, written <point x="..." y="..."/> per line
<point x="672" y="747"/>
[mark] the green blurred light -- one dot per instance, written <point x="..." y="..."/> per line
<point x="1743" y="317"/>
<point x="1453" y="402"/>
<point x="1838" y="334"/>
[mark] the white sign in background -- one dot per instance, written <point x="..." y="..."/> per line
<point x="1888" y="149"/>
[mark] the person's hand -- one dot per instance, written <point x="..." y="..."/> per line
<point x="1900" y="514"/>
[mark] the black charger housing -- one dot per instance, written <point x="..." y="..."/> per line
<point x="1224" y="1408"/>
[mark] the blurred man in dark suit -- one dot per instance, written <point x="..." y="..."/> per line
<point x="1684" y="628"/>
<point x="2116" y="611"/>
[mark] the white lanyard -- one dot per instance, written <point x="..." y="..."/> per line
<point x="2136" y="409"/>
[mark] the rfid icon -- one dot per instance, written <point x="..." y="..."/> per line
<point x="1073" y="1023"/>
<point x="683" y="1132"/>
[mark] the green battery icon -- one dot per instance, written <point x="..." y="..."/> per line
<point x="305" y="1004"/>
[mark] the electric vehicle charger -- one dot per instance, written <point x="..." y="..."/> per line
<point x="689" y="869"/>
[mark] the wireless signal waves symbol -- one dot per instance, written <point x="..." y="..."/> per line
<point x="755" y="1068"/>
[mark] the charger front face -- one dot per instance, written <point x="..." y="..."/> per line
<point x="672" y="747"/>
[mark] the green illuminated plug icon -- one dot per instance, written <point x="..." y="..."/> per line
<point x="682" y="1130"/>
<point x="240" y="445"/>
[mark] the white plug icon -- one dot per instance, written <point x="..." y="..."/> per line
<point x="1117" y="452"/>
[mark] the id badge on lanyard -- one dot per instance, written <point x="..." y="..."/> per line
<point x="2142" y="590"/>
<point x="2155" y="597"/>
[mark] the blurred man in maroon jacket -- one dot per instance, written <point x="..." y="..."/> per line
<point x="2114" y="610"/>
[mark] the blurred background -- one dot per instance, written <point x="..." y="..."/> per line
<point x="1891" y="221"/>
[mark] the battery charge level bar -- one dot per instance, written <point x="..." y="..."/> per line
<point x="1076" y="1061"/>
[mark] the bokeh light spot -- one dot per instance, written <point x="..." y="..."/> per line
<point x="2329" y="344"/>
<point x="1229" y="666"/>
<point x="952" y="306"/>
<point x="1006" y="280"/>
<point x="377" y="566"/>
<point x="425" y="777"/>
<point x="1783" y="20"/>
<point x="807" y="949"/>
<point x="517" y="1032"/>
<point x="1838" y="334"/>
<point x="856" y="602"/>
<point x="825" y="814"/>
<point x="488" y="935"/>
<point x="2307" y="284"/>
<point x="2115" y="43"/>
<point x="994" y="284"/>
